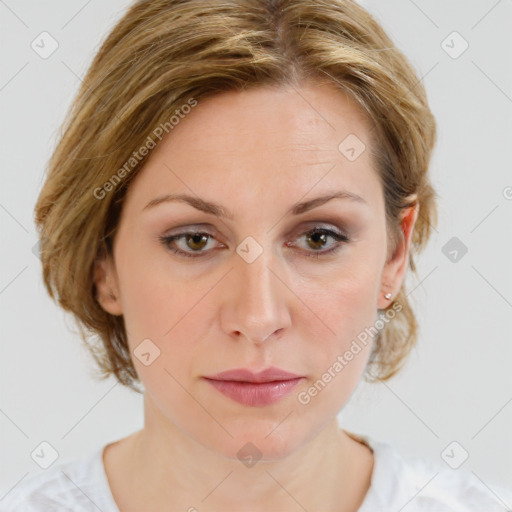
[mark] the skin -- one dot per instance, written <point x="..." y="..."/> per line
<point x="255" y="152"/>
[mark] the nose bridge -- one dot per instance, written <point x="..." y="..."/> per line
<point x="257" y="306"/>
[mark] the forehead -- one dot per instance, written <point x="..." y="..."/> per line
<point x="265" y="140"/>
<point x="313" y="117"/>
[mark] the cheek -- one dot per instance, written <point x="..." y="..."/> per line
<point x="336" y="362"/>
<point x="146" y="307"/>
<point x="334" y="308"/>
<point x="161" y="313"/>
<point x="344" y="312"/>
<point x="344" y="304"/>
<point x="148" y="292"/>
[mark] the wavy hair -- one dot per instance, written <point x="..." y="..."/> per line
<point x="162" y="53"/>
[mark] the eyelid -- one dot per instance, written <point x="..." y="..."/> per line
<point x="186" y="226"/>
<point x="300" y="229"/>
<point x="318" y="224"/>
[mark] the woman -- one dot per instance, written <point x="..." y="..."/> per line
<point x="239" y="191"/>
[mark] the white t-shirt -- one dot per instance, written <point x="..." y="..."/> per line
<point x="408" y="484"/>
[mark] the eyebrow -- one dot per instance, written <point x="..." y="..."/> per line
<point x="220" y="211"/>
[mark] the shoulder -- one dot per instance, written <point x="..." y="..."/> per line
<point x="69" y="486"/>
<point x="432" y="485"/>
<point x="418" y="484"/>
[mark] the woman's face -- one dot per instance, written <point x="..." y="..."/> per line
<point x="261" y="286"/>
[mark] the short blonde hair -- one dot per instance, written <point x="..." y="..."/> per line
<point x="161" y="54"/>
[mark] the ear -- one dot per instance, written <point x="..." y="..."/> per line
<point x="395" y="268"/>
<point x="107" y="285"/>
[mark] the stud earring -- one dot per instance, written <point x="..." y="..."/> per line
<point x="387" y="296"/>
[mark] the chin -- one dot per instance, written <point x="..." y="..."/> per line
<point x="260" y="441"/>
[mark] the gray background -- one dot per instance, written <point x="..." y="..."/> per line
<point x="457" y="384"/>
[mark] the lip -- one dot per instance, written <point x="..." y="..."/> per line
<point x="255" y="389"/>
<point x="246" y="375"/>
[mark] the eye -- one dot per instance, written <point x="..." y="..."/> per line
<point x="317" y="238"/>
<point x="194" y="240"/>
<point x="197" y="241"/>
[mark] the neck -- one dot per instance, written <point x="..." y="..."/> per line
<point x="331" y="471"/>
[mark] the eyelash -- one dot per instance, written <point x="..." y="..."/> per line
<point x="340" y="238"/>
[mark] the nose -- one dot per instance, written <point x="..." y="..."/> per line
<point x="255" y="300"/>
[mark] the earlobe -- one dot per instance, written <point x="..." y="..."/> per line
<point x="106" y="288"/>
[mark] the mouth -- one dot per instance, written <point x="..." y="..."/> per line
<point x="254" y="393"/>
<point x="255" y="389"/>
